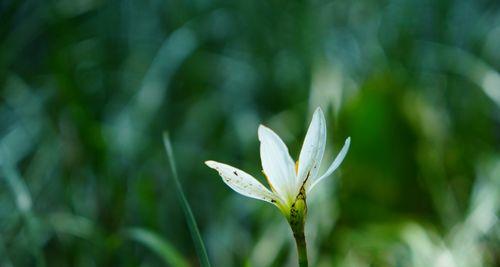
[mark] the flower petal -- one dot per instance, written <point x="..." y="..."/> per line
<point x="242" y="182"/>
<point x="312" y="149"/>
<point x="336" y="163"/>
<point x="277" y="163"/>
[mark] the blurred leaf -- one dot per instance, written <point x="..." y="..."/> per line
<point x="160" y="246"/>
<point x="71" y="224"/>
<point x="18" y="188"/>
<point x="193" y="227"/>
<point x="24" y="203"/>
<point x="471" y="67"/>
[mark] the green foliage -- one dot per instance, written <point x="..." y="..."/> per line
<point x="191" y="221"/>
<point x="164" y="249"/>
<point x="88" y="87"/>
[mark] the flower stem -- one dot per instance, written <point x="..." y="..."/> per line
<point x="300" y="240"/>
<point x="297" y="220"/>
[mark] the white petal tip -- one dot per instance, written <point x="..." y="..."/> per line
<point x="347" y="142"/>
<point x="262" y="131"/>
<point x="262" y="127"/>
<point x="210" y="163"/>
<point x="318" y="114"/>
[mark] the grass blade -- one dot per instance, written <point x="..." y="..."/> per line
<point x="23" y="201"/>
<point x="65" y="223"/>
<point x="193" y="227"/>
<point x="18" y="188"/>
<point x="153" y="241"/>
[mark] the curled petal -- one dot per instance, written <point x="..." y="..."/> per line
<point x="242" y="182"/>
<point x="336" y="163"/>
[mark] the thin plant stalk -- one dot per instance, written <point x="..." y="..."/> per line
<point x="297" y="220"/>
<point x="193" y="227"/>
<point x="300" y="241"/>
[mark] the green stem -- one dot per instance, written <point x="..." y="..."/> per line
<point x="297" y="220"/>
<point x="300" y="240"/>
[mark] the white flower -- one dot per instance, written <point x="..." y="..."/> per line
<point x="288" y="181"/>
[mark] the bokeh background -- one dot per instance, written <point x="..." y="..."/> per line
<point x="87" y="88"/>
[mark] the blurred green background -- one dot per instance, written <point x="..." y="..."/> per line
<point x="87" y="87"/>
